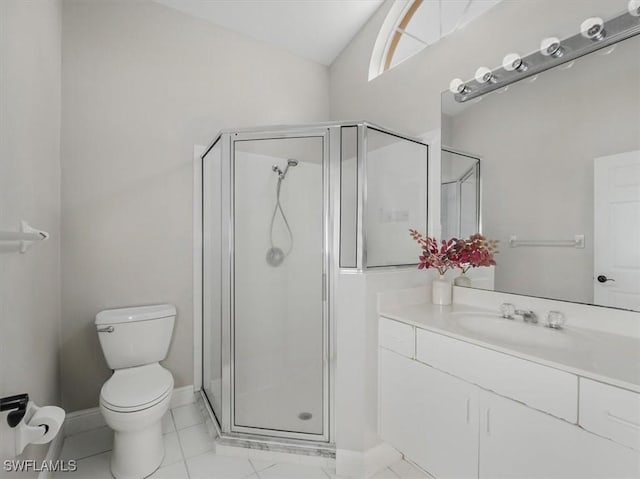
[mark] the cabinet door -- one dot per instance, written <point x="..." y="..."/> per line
<point x="429" y="416"/>
<point x="516" y="441"/>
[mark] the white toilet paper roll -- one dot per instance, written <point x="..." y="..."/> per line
<point x="51" y="417"/>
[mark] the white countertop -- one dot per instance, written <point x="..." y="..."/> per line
<point x="606" y="357"/>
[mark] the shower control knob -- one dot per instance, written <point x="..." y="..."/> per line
<point x="603" y="279"/>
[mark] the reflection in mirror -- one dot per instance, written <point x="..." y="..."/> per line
<point x="560" y="159"/>
<point x="460" y="186"/>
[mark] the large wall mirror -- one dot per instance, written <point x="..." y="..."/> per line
<point x="558" y="158"/>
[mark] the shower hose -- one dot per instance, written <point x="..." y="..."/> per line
<point x="275" y="255"/>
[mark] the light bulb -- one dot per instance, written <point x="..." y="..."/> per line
<point x="484" y="75"/>
<point x="593" y="29"/>
<point x="550" y="47"/>
<point x="457" y="86"/>
<point x="513" y="62"/>
<point x="634" y="7"/>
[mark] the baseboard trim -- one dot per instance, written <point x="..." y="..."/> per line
<point x="182" y="396"/>
<point x="53" y="453"/>
<point x="83" y="420"/>
<point x="88" y="419"/>
<point x="365" y="464"/>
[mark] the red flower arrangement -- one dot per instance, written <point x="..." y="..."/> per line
<point x="476" y="251"/>
<point x="472" y="252"/>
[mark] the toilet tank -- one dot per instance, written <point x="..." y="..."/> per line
<point x="135" y="336"/>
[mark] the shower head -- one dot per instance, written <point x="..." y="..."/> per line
<point x="282" y="174"/>
<point x="290" y="162"/>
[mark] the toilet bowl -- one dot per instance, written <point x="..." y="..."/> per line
<point x="133" y="402"/>
<point x="137" y="395"/>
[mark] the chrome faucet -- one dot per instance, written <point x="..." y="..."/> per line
<point x="509" y="311"/>
<point x="527" y="316"/>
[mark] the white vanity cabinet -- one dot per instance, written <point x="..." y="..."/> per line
<point x="442" y="404"/>
<point x="519" y="442"/>
<point x="610" y="412"/>
<point x="430" y="416"/>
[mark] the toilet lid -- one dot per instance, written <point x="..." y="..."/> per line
<point x="136" y="388"/>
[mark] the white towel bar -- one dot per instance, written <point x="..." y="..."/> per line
<point x="576" y="242"/>
<point x="27" y="236"/>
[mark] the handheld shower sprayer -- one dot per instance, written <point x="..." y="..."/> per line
<point x="275" y="255"/>
<point x="283" y="174"/>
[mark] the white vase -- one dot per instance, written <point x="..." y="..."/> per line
<point x="441" y="291"/>
<point x="462" y="280"/>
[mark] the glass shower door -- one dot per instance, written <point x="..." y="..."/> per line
<point x="279" y="315"/>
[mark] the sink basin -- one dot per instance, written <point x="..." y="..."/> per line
<point x="493" y="327"/>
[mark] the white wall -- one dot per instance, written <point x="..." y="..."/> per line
<point x="141" y="85"/>
<point x="29" y="189"/>
<point x="356" y="374"/>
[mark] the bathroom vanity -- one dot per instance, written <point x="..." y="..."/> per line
<point x="465" y="393"/>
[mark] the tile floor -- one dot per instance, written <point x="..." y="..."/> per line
<point x="190" y="454"/>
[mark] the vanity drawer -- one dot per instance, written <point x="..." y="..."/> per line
<point x="540" y="387"/>
<point x="398" y="337"/>
<point x="611" y="412"/>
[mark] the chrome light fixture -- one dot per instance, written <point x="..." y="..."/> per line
<point x="484" y="75"/>
<point x="513" y="62"/>
<point x="593" y="29"/>
<point x="551" y="47"/>
<point x="458" y="86"/>
<point x="595" y="34"/>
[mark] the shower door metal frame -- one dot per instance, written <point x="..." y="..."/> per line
<point x="478" y="171"/>
<point x="362" y="265"/>
<point x="228" y="288"/>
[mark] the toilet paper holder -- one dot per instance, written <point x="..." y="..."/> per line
<point x="46" y="420"/>
<point x="17" y="405"/>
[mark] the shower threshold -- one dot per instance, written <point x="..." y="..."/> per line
<point x="268" y="443"/>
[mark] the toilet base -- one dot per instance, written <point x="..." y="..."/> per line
<point x="137" y="454"/>
<point x="138" y="446"/>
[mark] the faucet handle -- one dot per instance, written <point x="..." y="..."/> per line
<point x="555" y="319"/>
<point x="508" y="310"/>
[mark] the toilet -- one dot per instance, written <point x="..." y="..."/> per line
<point x="137" y="395"/>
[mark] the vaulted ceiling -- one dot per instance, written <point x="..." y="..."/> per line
<point x="313" y="29"/>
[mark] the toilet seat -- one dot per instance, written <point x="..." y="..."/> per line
<point x="135" y="389"/>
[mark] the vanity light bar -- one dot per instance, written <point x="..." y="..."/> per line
<point x="595" y="34"/>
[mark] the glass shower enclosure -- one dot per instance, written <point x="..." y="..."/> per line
<point x="284" y="212"/>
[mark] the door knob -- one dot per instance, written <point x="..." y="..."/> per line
<point x="603" y="279"/>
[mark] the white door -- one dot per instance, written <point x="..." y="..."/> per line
<point x="429" y="416"/>
<point x="519" y="442"/>
<point x="617" y="230"/>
